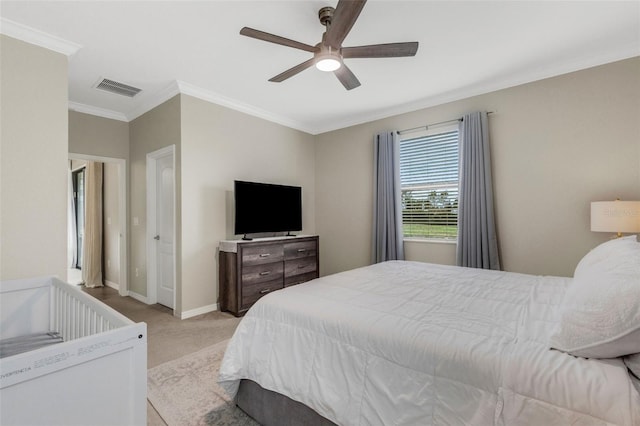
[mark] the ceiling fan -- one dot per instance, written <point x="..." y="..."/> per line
<point x="328" y="55"/>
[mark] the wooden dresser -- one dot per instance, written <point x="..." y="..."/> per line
<point x="251" y="269"/>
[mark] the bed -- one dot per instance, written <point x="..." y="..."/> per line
<point x="407" y="343"/>
<point x="68" y="359"/>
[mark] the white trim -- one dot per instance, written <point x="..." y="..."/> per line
<point x="122" y="213"/>
<point x="152" y="279"/>
<point x="112" y="285"/>
<point x="154" y="100"/>
<point x="429" y="240"/>
<point x="99" y="112"/>
<point x="535" y="74"/>
<point x="218" y="99"/>
<point x="199" y="311"/>
<point x="23" y="283"/>
<point x="138" y="297"/>
<point x="37" y="37"/>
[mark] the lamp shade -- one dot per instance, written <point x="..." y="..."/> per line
<point x="615" y="216"/>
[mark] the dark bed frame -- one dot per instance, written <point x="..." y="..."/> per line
<point x="273" y="409"/>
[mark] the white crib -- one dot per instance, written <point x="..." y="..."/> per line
<point x="95" y="375"/>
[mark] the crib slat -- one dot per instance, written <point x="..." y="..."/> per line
<point x="83" y="315"/>
<point x="76" y="319"/>
<point x="72" y="319"/>
<point x="76" y="315"/>
<point x="94" y="321"/>
<point x="65" y="318"/>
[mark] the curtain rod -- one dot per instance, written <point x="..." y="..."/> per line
<point x="426" y="126"/>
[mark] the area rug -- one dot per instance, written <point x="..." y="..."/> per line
<point x="185" y="392"/>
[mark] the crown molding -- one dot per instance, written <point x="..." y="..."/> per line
<point x="176" y="87"/>
<point x="180" y="87"/>
<point x="218" y="99"/>
<point x="568" y="66"/>
<point x="154" y="100"/>
<point x="37" y="37"/>
<point x="100" y="112"/>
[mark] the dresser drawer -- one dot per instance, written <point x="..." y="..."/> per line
<point x="299" y="279"/>
<point x="251" y="293"/>
<point x="260" y="254"/>
<point x="300" y="266"/>
<point x="262" y="273"/>
<point x="300" y="249"/>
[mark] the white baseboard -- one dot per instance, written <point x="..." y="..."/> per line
<point x="138" y="297"/>
<point x="199" y="311"/>
<point x="112" y="285"/>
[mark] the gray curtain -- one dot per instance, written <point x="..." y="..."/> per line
<point x="387" y="210"/>
<point x="477" y="242"/>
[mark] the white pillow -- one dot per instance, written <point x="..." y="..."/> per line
<point x="600" y="313"/>
<point x="603" y="253"/>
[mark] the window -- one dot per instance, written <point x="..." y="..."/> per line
<point x="429" y="185"/>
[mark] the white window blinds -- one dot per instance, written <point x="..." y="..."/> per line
<point x="429" y="185"/>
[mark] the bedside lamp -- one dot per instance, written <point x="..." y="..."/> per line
<point x="615" y="216"/>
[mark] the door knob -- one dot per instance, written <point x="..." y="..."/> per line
<point x="157" y="237"/>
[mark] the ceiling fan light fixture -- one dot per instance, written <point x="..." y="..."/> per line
<point x="328" y="64"/>
<point x="328" y="60"/>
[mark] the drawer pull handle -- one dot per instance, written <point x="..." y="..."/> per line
<point x="301" y="250"/>
<point x="262" y="274"/>
<point x="265" y="291"/>
<point x="265" y="254"/>
<point x="302" y="266"/>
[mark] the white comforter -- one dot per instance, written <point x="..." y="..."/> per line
<point x="406" y="343"/>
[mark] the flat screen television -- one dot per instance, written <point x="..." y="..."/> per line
<point x="266" y="207"/>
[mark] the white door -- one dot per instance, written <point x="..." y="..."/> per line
<point x="165" y="245"/>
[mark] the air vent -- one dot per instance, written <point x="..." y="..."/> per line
<point x="117" y="88"/>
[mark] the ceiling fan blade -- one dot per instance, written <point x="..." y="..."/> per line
<point x="345" y="15"/>
<point x="347" y="77"/>
<point x="390" y="50"/>
<point x="272" y="38"/>
<point x="292" y="71"/>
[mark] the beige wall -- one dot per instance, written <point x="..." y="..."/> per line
<point x="102" y="137"/>
<point x="220" y="145"/>
<point x="150" y="132"/>
<point x="76" y="164"/>
<point x="34" y="162"/>
<point x="214" y="145"/>
<point x="557" y="145"/>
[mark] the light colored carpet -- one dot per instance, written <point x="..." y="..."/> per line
<point x="185" y="391"/>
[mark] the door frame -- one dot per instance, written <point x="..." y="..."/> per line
<point x="123" y="285"/>
<point x="152" y="261"/>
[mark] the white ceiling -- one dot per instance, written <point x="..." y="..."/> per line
<point x="466" y="48"/>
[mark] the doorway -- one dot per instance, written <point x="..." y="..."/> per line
<point x="114" y="223"/>
<point x="161" y="227"/>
